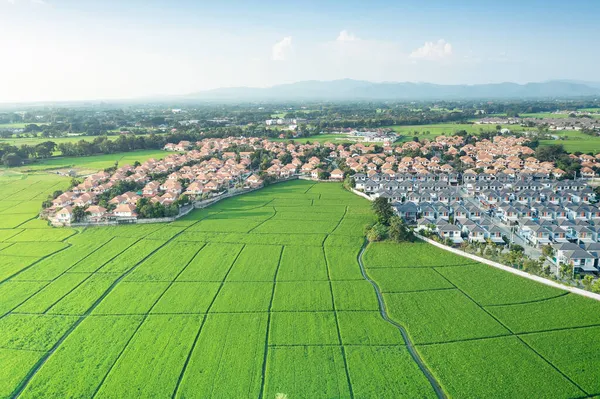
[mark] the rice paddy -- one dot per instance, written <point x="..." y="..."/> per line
<point x="262" y="295"/>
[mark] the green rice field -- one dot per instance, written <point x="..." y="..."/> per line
<point x="92" y="163"/>
<point x="262" y="296"/>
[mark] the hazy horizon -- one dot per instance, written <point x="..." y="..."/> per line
<point x="66" y="50"/>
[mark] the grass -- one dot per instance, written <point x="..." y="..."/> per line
<point x="139" y="372"/>
<point x="321" y="138"/>
<point x="574" y="141"/>
<point x="508" y="288"/>
<point x="371" y="369"/>
<point x="308" y="371"/>
<point x="93" y="162"/>
<point x="262" y="294"/>
<point x="495" y="368"/>
<point x="440" y="316"/>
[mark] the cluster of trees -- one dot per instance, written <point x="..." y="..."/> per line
<point x="388" y="225"/>
<point x="148" y="209"/>
<point x="557" y="154"/>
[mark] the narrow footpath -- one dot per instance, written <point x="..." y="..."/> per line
<point x="409" y="345"/>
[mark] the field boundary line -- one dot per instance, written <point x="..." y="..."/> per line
<point x="79" y="284"/>
<point x="264" y="221"/>
<point x="509" y="269"/>
<point x="110" y="260"/>
<point x="27" y="379"/>
<point x="527" y="302"/>
<point x="263" y="375"/>
<point x="515" y="335"/>
<point x="33" y="264"/>
<point x="409" y="344"/>
<point x="337" y="323"/>
<point x="193" y="347"/>
<point x="144" y="318"/>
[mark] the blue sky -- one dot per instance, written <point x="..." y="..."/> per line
<point x="89" y="49"/>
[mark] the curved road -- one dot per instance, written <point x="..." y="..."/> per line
<point x="409" y="345"/>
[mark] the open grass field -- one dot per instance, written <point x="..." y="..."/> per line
<point x="574" y="141"/>
<point x="261" y="295"/>
<point x="321" y="138"/>
<point x="430" y="132"/>
<point x="475" y="325"/>
<point x="92" y="163"/>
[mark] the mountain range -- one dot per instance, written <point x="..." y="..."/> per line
<point x="348" y="89"/>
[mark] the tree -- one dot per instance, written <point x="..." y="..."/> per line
<point x="324" y="175"/>
<point x="383" y="210"/>
<point x="79" y="214"/>
<point x="11" y="160"/>
<point x="377" y="232"/>
<point x="596" y="286"/>
<point x="399" y="231"/>
<point x="547" y="251"/>
<point x="588" y="281"/>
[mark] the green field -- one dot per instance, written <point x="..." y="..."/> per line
<point x="430" y="132"/>
<point x="574" y="141"/>
<point x="475" y="325"/>
<point x="93" y="162"/>
<point x="261" y="295"/>
<point x="321" y="138"/>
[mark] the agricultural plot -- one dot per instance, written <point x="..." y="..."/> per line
<point x="139" y="372"/>
<point x="495" y="368"/>
<point x="371" y="369"/>
<point x="227" y="358"/>
<point x="440" y="316"/>
<point x="300" y="263"/>
<point x="263" y="294"/>
<point x="418" y="254"/>
<point x="474" y="326"/>
<point x="507" y="288"/>
<point x="308" y="371"/>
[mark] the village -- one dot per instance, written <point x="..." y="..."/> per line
<point x="486" y="191"/>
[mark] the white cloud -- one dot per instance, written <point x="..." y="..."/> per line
<point x="346" y="36"/>
<point x="281" y="48"/>
<point x="433" y="50"/>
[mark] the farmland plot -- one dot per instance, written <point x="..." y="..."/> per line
<point x="131" y="257"/>
<point x="212" y="263"/>
<point x="11" y="265"/>
<point x="81" y="298"/>
<point x="227" y="359"/>
<point x="152" y="362"/>
<point x="52" y="293"/>
<point x="162" y="265"/>
<point x="187" y="297"/>
<point x="13" y="293"/>
<point x="15" y="366"/>
<point x="300" y="263"/>
<point x="507" y="288"/>
<point x="78" y="366"/>
<point x="303" y="328"/>
<point x="53" y="266"/>
<point x="574" y="352"/>
<point x="256" y="263"/>
<point x="306" y="372"/>
<point x="33" y="332"/>
<point x="269" y="298"/>
<point x="372" y="368"/>
<point x="131" y="298"/>
<point x="439" y="316"/>
<point x="486" y="369"/>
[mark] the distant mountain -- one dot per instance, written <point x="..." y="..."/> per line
<point x="348" y="89"/>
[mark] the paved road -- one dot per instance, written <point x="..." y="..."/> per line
<point x="530" y="251"/>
